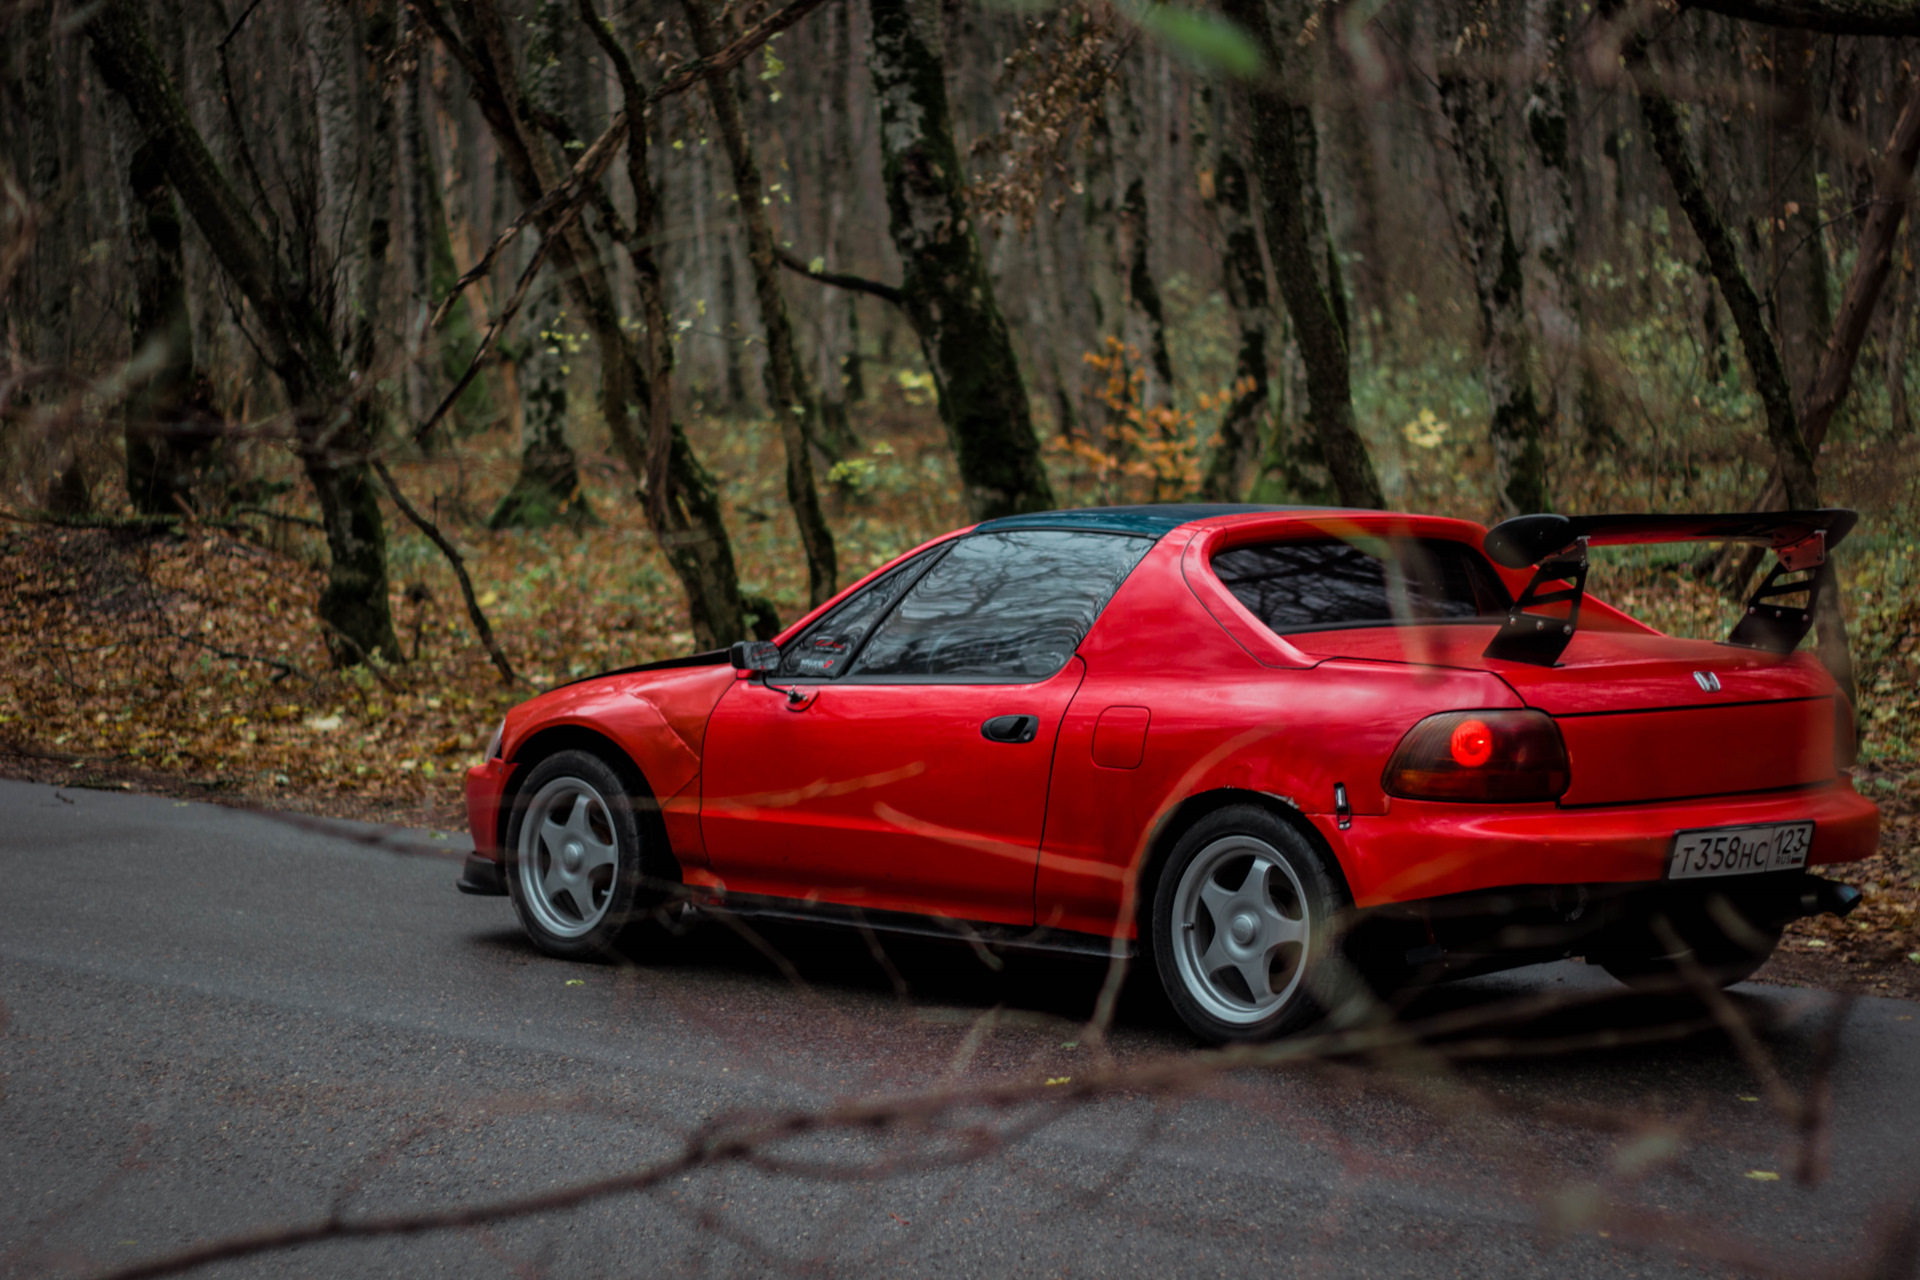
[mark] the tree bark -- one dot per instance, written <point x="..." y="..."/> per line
<point x="1792" y="455"/>
<point x="841" y="383"/>
<point x="685" y="513"/>
<point x="1244" y="281"/>
<point x="168" y="428"/>
<point x="1662" y="120"/>
<point x="1317" y="326"/>
<point x="949" y="298"/>
<point x="1496" y="264"/>
<point x="1898" y="18"/>
<point x="1145" y="328"/>
<point x="547" y="489"/>
<point x="789" y="398"/>
<point x="330" y="422"/>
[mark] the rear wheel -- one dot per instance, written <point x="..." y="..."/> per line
<point x="574" y="855"/>
<point x="1244" y="919"/>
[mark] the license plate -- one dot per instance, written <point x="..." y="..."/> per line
<point x="1738" y="851"/>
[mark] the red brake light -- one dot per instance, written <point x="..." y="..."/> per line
<point x="1471" y="744"/>
<point x="1480" y="756"/>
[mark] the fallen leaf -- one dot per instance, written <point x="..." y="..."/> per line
<point x="1763" y="1175"/>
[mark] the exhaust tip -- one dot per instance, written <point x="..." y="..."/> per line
<point x="1822" y="897"/>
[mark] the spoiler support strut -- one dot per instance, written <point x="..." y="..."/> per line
<point x="1556" y="547"/>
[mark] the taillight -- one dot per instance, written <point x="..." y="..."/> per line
<point x="1846" y="737"/>
<point x="1480" y="756"/>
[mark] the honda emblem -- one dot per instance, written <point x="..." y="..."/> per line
<point x="1707" y="681"/>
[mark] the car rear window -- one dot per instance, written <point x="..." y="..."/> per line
<point x="1325" y="583"/>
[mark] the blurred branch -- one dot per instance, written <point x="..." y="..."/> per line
<point x="1829" y="17"/>
<point x="840" y="280"/>
<point x="452" y="554"/>
<point x="970" y="1124"/>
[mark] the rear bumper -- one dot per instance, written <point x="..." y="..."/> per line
<point x="1427" y="849"/>
<point x="486" y="784"/>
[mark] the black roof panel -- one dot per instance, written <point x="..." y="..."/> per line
<point x="1155" y="520"/>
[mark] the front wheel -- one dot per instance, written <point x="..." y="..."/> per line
<point x="1244" y="921"/>
<point x="573" y="850"/>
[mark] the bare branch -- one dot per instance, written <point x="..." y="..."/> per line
<point x="840" y="280"/>
<point x="1829" y="17"/>
<point x="452" y="554"/>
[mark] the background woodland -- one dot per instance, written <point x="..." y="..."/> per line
<point x="667" y="320"/>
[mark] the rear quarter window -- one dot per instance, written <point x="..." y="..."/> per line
<point x="1326" y="583"/>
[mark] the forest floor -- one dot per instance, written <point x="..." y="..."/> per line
<point x="185" y="662"/>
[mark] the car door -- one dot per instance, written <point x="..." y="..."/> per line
<point x="898" y="758"/>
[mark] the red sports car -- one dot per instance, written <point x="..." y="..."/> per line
<point x="1271" y="749"/>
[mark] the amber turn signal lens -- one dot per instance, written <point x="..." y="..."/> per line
<point x="1480" y="756"/>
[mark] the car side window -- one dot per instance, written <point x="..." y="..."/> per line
<point x="1327" y="583"/>
<point x="1002" y="606"/>
<point x="825" y="648"/>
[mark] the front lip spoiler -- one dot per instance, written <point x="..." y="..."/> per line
<point x="482" y="877"/>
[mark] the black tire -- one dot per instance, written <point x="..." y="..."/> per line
<point x="1714" y="935"/>
<point x="1212" y="925"/>
<point x="577" y="882"/>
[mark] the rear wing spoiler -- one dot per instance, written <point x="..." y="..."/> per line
<point x="1555" y="547"/>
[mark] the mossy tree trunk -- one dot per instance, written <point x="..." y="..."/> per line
<point x="1470" y="101"/>
<point x="547" y="489"/>
<point x="1229" y="198"/>
<point x="684" y="508"/>
<point x="790" y="400"/>
<point x="331" y="424"/>
<point x="168" y="430"/>
<point x="1791" y="455"/>
<point x="1288" y="196"/>
<point x="947" y="294"/>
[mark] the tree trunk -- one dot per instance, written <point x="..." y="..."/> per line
<point x="547" y="489"/>
<point x="1317" y="327"/>
<point x="839" y="357"/>
<point x="427" y="247"/>
<point x="338" y="254"/>
<point x="54" y="185"/>
<point x="1146" y="323"/>
<point x="948" y="296"/>
<point x="685" y="516"/>
<point x="1662" y="120"/>
<point x="1229" y="198"/>
<point x="1574" y="388"/>
<point x="1791" y="454"/>
<point x="1494" y="260"/>
<point x="168" y="428"/>
<point x="330" y="423"/>
<point x="789" y="399"/>
<point x="1803" y="314"/>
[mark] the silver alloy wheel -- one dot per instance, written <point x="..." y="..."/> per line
<point x="568" y="857"/>
<point x="1243" y="930"/>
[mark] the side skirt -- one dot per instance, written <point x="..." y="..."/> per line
<point x="978" y="934"/>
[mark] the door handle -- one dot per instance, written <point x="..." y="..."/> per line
<point x="1010" y="728"/>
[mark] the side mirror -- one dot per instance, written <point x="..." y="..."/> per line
<point x="754" y="655"/>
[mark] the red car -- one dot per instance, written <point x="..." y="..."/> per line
<point x="1269" y="748"/>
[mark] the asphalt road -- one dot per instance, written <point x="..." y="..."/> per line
<point x="217" y="1022"/>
